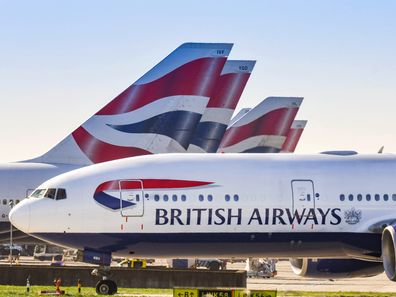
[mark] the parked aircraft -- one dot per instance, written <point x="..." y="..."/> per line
<point x="263" y="129"/>
<point x="333" y="208"/>
<point x="156" y="114"/>
<point x="221" y="106"/>
<point x="293" y="136"/>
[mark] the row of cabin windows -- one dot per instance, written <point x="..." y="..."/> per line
<point x="367" y="197"/>
<point x="7" y="201"/>
<point x="184" y="198"/>
<point x="168" y="197"/>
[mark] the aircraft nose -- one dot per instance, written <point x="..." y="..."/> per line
<point x="20" y="216"/>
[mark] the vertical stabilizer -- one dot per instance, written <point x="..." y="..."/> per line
<point x="221" y="106"/>
<point x="293" y="137"/>
<point x="157" y="114"/>
<point x="263" y="129"/>
<point x="240" y="114"/>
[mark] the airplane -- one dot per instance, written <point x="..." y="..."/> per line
<point x="156" y="114"/>
<point x="221" y="106"/>
<point x="331" y="214"/>
<point x="263" y="129"/>
<point x="293" y="136"/>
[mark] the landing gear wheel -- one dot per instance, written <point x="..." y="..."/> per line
<point x="106" y="287"/>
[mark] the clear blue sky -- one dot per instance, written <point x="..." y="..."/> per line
<point x="60" y="61"/>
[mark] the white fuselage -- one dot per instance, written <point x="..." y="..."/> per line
<point x="19" y="179"/>
<point x="220" y="205"/>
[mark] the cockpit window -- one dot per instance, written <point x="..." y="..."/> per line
<point x="39" y="193"/>
<point x="61" y="194"/>
<point x="50" y="193"/>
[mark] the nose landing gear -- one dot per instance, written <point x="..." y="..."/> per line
<point x="105" y="286"/>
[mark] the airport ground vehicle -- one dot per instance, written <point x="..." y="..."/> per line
<point x="45" y="252"/>
<point x="211" y="264"/>
<point x="133" y="263"/>
<point x="16" y="251"/>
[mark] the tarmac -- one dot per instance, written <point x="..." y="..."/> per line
<point x="286" y="280"/>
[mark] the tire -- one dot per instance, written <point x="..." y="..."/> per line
<point x="214" y="266"/>
<point x="106" y="287"/>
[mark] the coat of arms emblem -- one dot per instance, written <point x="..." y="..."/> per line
<point x="353" y="216"/>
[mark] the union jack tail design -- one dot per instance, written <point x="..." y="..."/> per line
<point x="293" y="137"/>
<point x="156" y="114"/>
<point x="263" y="129"/>
<point x="221" y="106"/>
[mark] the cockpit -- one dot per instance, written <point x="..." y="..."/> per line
<point x="51" y="193"/>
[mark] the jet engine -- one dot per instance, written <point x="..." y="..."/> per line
<point x="335" y="268"/>
<point x="388" y="252"/>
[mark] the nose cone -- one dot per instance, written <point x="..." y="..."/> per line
<point x="20" y="216"/>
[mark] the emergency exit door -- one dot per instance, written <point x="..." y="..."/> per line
<point x="131" y="197"/>
<point x="303" y="194"/>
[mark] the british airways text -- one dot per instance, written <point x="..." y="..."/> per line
<point x="257" y="216"/>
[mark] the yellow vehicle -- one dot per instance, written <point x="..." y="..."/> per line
<point x="133" y="263"/>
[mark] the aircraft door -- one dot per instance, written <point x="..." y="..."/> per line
<point x="303" y="194"/>
<point x="131" y="198"/>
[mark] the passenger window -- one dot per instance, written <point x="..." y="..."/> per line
<point x="394" y="197"/>
<point x="359" y="197"/>
<point x="4" y="201"/>
<point x="377" y="197"/>
<point x="11" y="202"/>
<point x="368" y="197"/>
<point x="166" y="198"/>
<point x="386" y="197"/>
<point x="183" y="198"/>
<point x="61" y="194"/>
<point x="174" y="198"/>
<point x="156" y="197"/>
<point x="17" y="201"/>
<point x="236" y="197"/>
<point x="342" y="197"/>
<point x="201" y="198"/>
<point x="227" y="197"/>
<point x="350" y="197"/>
<point x="210" y="198"/>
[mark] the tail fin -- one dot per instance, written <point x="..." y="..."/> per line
<point x="264" y="128"/>
<point x="157" y="114"/>
<point x="240" y="114"/>
<point x="221" y="106"/>
<point x="293" y="136"/>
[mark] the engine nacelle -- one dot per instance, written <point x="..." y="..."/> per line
<point x="388" y="252"/>
<point x="335" y="268"/>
